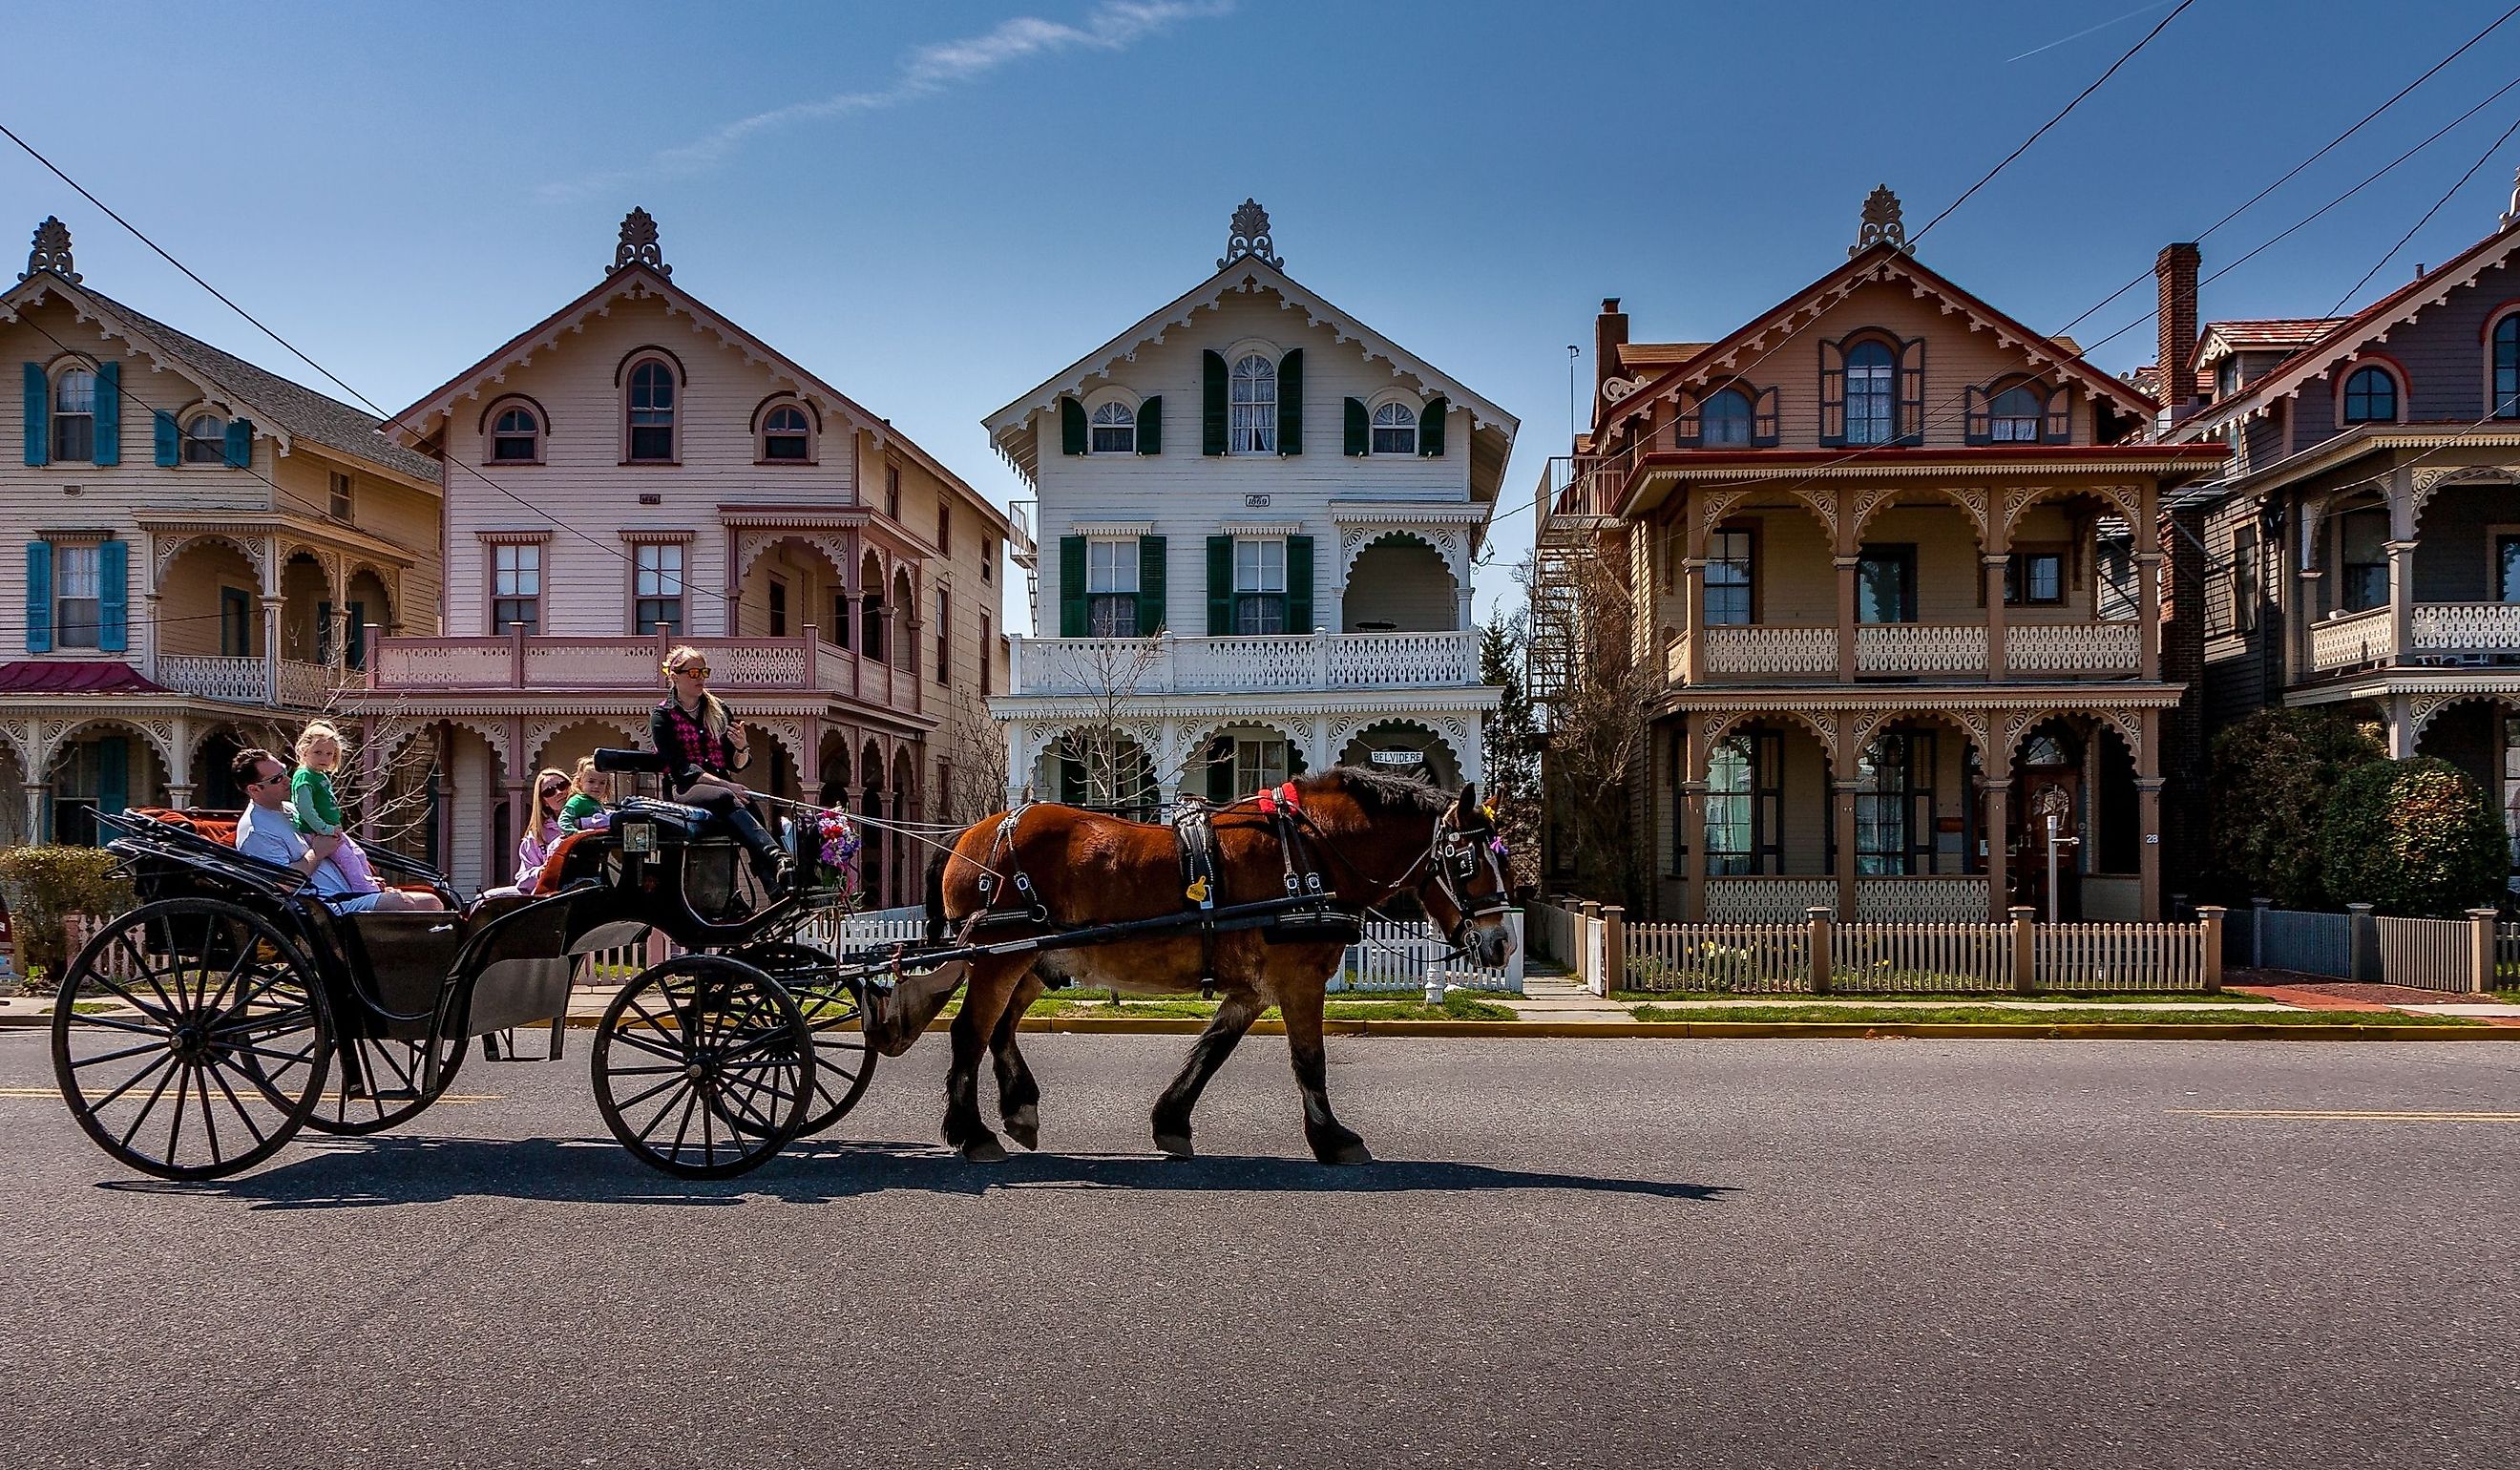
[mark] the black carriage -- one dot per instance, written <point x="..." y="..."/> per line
<point x="194" y="1036"/>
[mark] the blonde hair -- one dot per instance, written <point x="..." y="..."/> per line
<point x="317" y="730"/>
<point x="585" y="774"/>
<point x="713" y="716"/>
<point x="534" y="815"/>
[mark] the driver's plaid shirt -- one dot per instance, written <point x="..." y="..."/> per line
<point x="685" y="743"/>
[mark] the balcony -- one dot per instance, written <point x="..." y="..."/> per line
<point x="2438" y="635"/>
<point x="247" y="681"/>
<point x="1753" y="652"/>
<point x="738" y="665"/>
<point x="1315" y="661"/>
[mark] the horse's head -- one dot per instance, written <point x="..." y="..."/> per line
<point x="1464" y="887"/>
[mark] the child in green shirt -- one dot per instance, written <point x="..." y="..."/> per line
<point x="584" y="812"/>
<point x="313" y="808"/>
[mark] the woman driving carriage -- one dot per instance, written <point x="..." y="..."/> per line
<point x="702" y="748"/>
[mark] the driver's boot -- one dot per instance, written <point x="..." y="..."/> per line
<point x="769" y="865"/>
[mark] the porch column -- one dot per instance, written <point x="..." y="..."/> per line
<point x="1846" y="566"/>
<point x="1843" y="793"/>
<point x="2400" y="717"/>
<point x="271" y="648"/>
<point x="1692" y="636"/>
<point x="179" y="797"/>
<point x="2147" y="571"/>
<point x="338" y="644"/>
<point x="2402" y="600"/>
<point x="36" y="792"/>
<point x="809" y="759"/>
<point x="1998" y="851"/>
<point x="2148" y="782"/>
<point x="2304" y="614"/>
<point x="149" y="638"/>
<point x="179" y="763"/>
<point x="1692" y="815"/>
<point x="1996" y="562"/>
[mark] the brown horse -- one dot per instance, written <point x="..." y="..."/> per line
<point x="1367" y="836"/>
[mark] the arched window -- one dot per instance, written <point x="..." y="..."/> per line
<point x="516" y="436"/>
<point x="1731" y="786"/>
<point x="2371" y="396"/>
<point x="1395" y="429"/>
<point x="1871" y="389"/>
<point x="2506" y="367"/>
<point x="786" y="435"/>
<point x="2015" y="414"/>
<point x="1251" y="423"/>
<point x="1115" y="430"/>
<point x="74" y="415"/>
<point x="206" y="439"/>
<point x="1723" y="419"/>
<point x="651" y="408"/>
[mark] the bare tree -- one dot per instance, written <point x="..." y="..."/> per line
<point x="1597" y="688"/>
<point x="393" y="794"/>
<point x="1119" y="773"/>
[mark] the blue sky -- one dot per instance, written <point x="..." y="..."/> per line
<point x="937" y="205"/>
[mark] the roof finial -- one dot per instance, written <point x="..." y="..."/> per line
<point x="51" y="251"/>
<point x="1881" y="224"/>
<point x="639" y="244"/>
<point x="1250" y="238"/>
<point x="2511" y="215"/>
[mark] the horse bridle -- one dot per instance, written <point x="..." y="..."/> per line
<point x="1455" y="858"/>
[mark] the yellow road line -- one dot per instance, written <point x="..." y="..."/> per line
<point x="2347" y="1115"/>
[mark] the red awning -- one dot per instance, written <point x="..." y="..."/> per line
<point x="41" y="676"/>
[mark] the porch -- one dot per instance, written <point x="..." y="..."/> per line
<point x="2419" y="570"/>
<point x="515" y="661"/>
<point x="1168" y="665"/>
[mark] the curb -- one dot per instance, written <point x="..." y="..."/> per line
<point x="2094" y="1031"/>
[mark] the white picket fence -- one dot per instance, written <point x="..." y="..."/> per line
<point x="1866" y="958"/>
<point x="2431" y="954"/>
<point x="1888" y="958"/>
<point x="2121" y="957"/>
<point x="1736" y="958"/>
<point x="1395" y="957"/>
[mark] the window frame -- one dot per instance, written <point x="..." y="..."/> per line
<point x="1111" y="609"/>
<point x="493" y="437"/>
<point x="1877" y="804"/>
<point x="2345" y="394"/>
<point x="67" y="554"/>
<point x="1888" y="395"/>
<point x="636" y="367"/>
<point x="1250" y="421"/>
<point x="1116" y="417"/>
<point x="2502" y="363"/>
<point x="1376" y="429"/>
<point x="1748" y="562"/>
<point x="1256" y="603"/>
<point x="59" y="417"/>
<point x="944" y="634"/>
<point x="892" y="490"/>
<point x="505" y="580"/>
<point x="213" y="447"/>
<point x="2018" y="580"/>
<point x="807" y="433"/>
<point x="342" y="496"/>
<point x="643" y="576"/>
<point x="1902" y="553"/>
<point x="2005" y="428"/>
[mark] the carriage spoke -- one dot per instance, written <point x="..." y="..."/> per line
<point x="175" y="1125"/>
<point x="652" y="1048"/>
<point x="637" y="1099"/>
<point x="683" y="1128"/>
<point x="159" y="1014"/>
<point x="114" y="1023"/>
<point x="241" y="1112"/>
<point x="210" y="1123"/>
<point x="90" y="1062"/>
<point x="134" y="1080"/>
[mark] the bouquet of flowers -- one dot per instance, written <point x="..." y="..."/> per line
<point x="839" y="844"/>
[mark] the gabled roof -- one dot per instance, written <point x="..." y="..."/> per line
<point x="2260" y="334"/>
<point x="1883" y="263"/>
<point x="287" y="410"/>
<point x="1249" y="273"/>
<point x="2345" y="340"/>
<point x="423" y="425"/>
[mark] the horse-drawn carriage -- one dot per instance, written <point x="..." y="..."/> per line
<point x="195" y="1035"/>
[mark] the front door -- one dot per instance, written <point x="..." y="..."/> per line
<point x="2048" y="790"/>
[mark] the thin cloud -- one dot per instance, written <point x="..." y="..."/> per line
<point x="924" y="71"/>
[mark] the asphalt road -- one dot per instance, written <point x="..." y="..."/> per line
<point x="1577" y="1253"/>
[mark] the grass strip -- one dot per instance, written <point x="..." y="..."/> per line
<point x="1961" y="997"/>
<point x="1997" y="1015"/>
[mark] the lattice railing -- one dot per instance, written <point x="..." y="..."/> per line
<point x="1439" y="659"/>
<point x="2466" y="627"/>
<point x="1945" y="896"/>
<point x="2074" y="647"/>
<point x="1763" y="648"/>
<point x="1768" y="899"/>
<point x="1919" y="647"/>
<point x="2361" y="637"/>
<point x="243" y="680"/>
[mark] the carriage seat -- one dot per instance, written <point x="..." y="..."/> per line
<point x="207" y="825"/>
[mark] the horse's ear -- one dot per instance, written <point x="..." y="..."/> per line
<point x="1466" y="810"/>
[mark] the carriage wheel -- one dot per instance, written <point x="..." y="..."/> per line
<point x="703" y="1066"/>
<point x="384" y="1084"/>
<point x="843" y="1062"/>
<point x="221" y="1049"/>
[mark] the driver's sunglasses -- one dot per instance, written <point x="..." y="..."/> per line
<point x="694" y="670"/>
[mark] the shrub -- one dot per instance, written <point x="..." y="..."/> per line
<point x="2416" y="838"/>
<point x="45" y="885"/>
<point x="2268" y="791"/>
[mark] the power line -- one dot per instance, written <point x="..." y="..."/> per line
<point x="2481" y="160"/>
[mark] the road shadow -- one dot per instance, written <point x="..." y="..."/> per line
<point x="365" y="1173"/>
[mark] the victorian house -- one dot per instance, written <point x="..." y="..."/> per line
<point x="636" y="472"/>
<point x="1262" y="517"/>
<point x="1888" y="552"/>
<point x="2363" y="550"/>
<point x="203" y="546"/>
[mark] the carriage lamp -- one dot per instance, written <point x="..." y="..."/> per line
<point x="638" y="837"/>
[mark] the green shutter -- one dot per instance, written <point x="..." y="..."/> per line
<point x="113" y="597"/>
<point x="40" y="429"/>
<point x="1072" y="619"/>
<point x="1291" y="402"/>
<point x="1359" y="427"/>
<point x="113" y="775"/>
<point x="355" y="655"/>
<point x="1220" y="770"/>
<point x="1151" y="425"/>
<point x="170" y="450"/>
<point x="40" y="597"/>
<point x="1220" y="586"/>
<point x="1071" y="426"/>
<point x="109" y="414"/>
<point x="1299" y="584"/>
<point x="1211" y="408"/>
<point x="1430" y="426"/>
<point x="240" y="444"/>
<point x="1151" y="586"/>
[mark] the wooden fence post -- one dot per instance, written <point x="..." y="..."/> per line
<point x="1614" y="947"/>
<point x="2480" y="949"/>
<point x="1824" y="923"/>
<point x="2025" y="951"/>
<point x="2362" y="945"/>
<point x="2211" y="916"/>
<point x="2258" y="932"/>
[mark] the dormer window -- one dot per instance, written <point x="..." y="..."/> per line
<point x="516" y="436"/>
<point x="2226" y="377"/>
<point x="1395" y="429"/>
<point x="1115" y="427"/>
<point x="74" y="417"/>
<point x="1723" y="419"/>
<point x="2371" y="396"/>
<point x="206" y="439"/>
<point x="1872" y="371"/>
<point x="2014" y="416"/>
<point x="650" y="406"/>
<point x="786" y="435"/>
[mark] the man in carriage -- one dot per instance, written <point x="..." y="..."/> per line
<point x="267" y="831"/>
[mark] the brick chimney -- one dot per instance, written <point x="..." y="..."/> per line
<point x="1609" y="335"/>
<point x="2174" y="275"/>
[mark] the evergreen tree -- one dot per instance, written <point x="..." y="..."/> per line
<point x="1512" y="735"/>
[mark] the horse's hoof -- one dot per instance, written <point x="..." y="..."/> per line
<point x="1176" y="1146"/>
<point x="1351" y="1151"/>
<point x="985" y="1149"/>
<point x="1024" y="1126"/>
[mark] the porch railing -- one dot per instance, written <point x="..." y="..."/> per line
<point x="246" y="680"/>
<point x="1768" y="649"/>
<point x="2360" y="637"/>
<point x="1919" y="647"/>
<point x="2074" y="647"/>
<point x="1931" y="896"/>
<point x="561" y="662"/>
<point x="1317" y="660"/>
<point x="2465" y="628"/>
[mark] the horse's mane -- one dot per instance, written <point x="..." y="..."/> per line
<point x="1378" y="792"/>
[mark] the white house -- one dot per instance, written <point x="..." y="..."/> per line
<point x="1263" y="514"/>
<point x="199" y="543"/>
